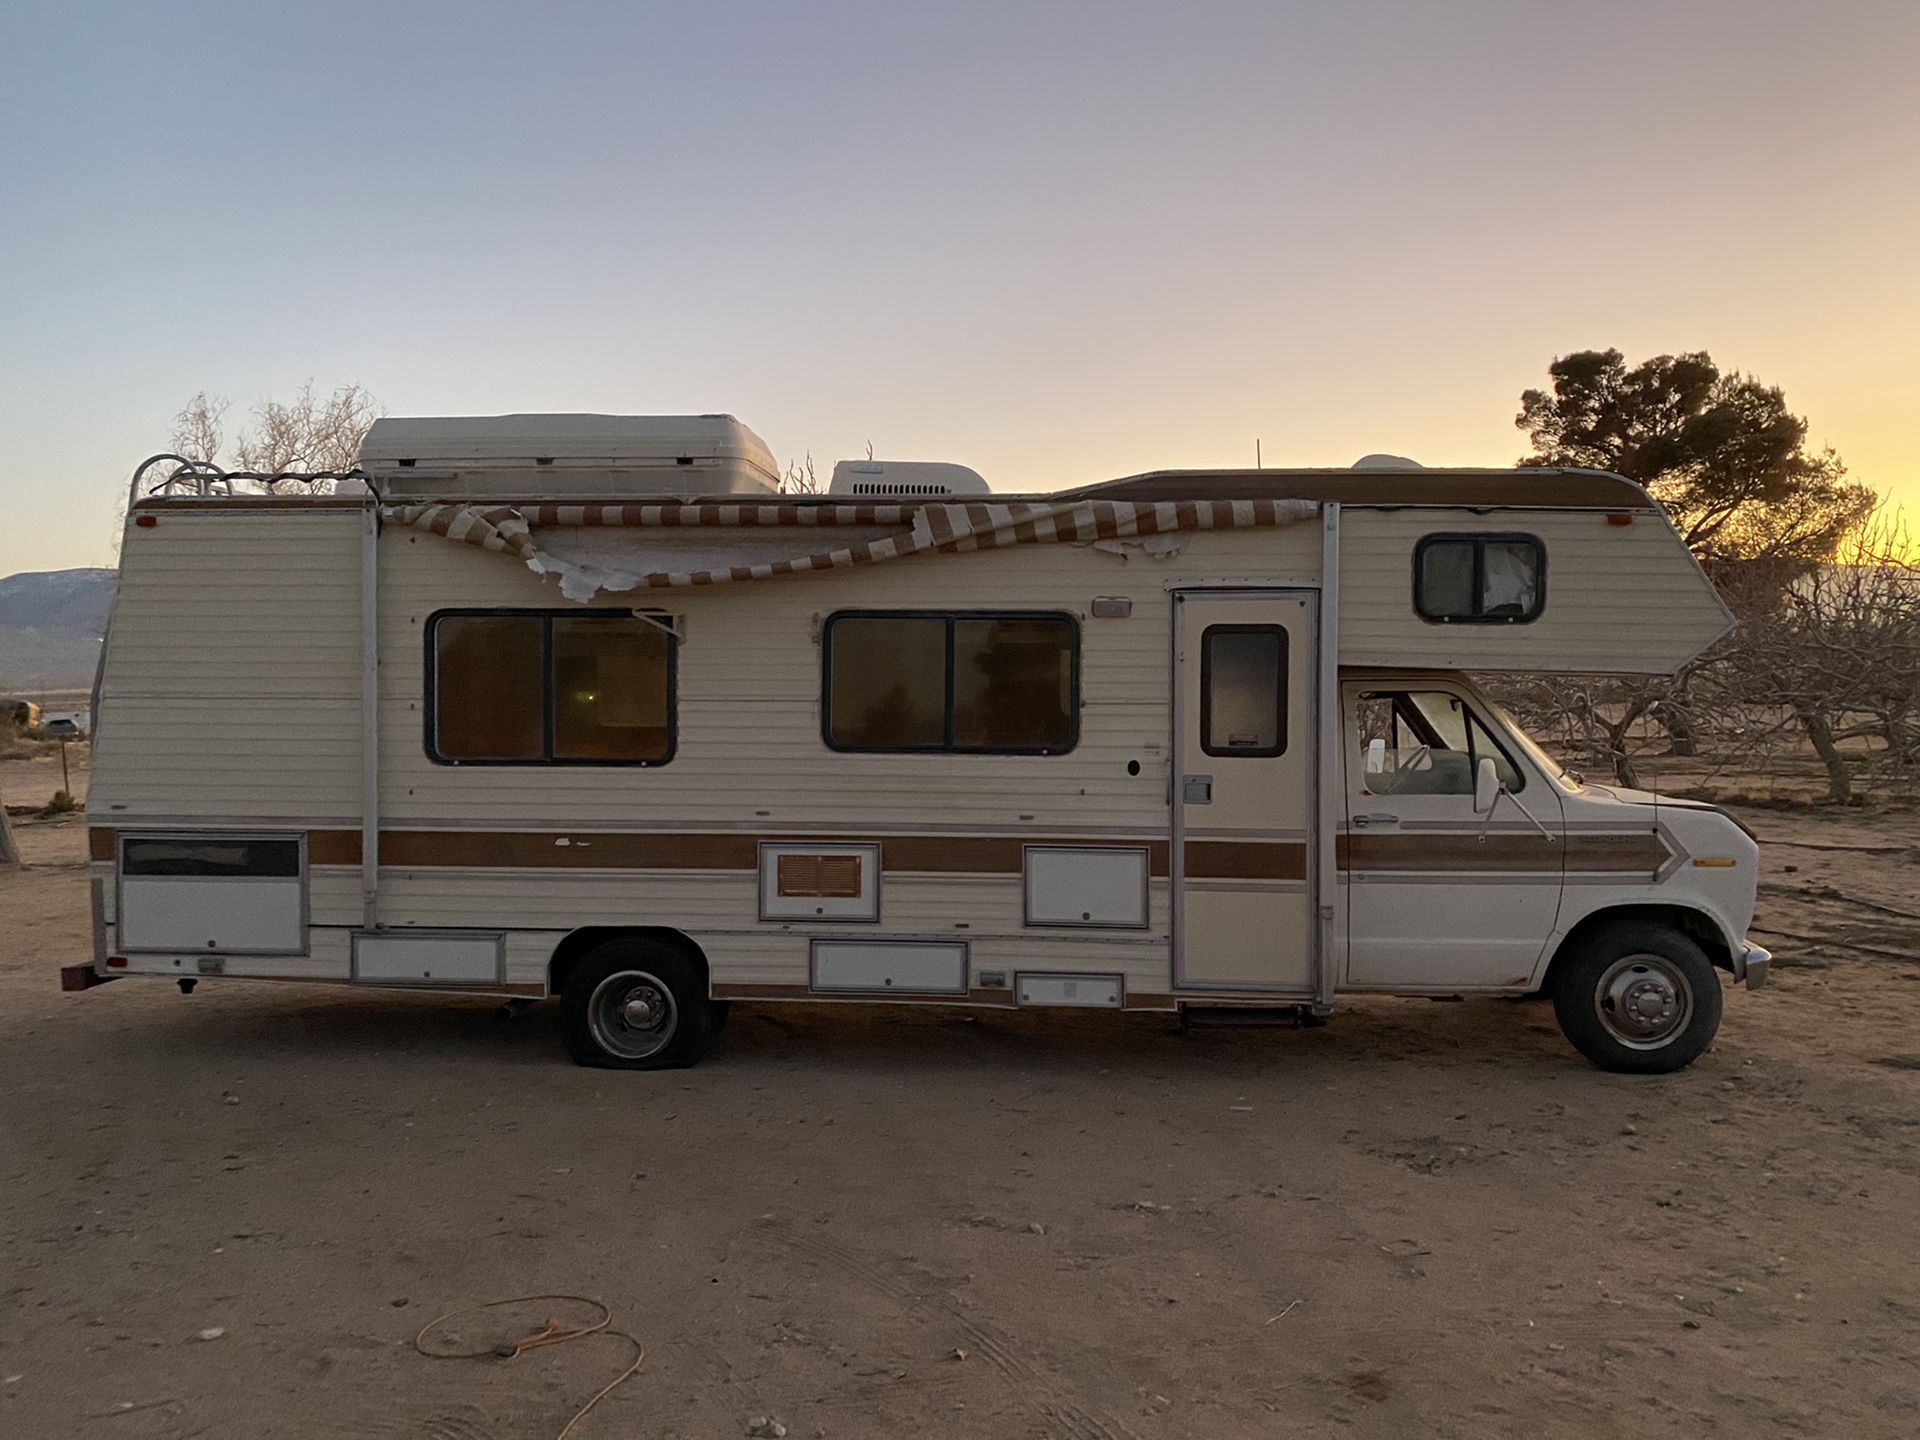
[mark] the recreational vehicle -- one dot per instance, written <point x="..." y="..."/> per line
<point x="582" y="707"/>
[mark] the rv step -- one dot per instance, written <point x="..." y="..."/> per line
<point x="1221" y="1017"/>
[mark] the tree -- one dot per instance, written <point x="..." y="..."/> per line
<point x="310" y="433"/>
<point x="800" y="478"/>
<point x="1840" y="654"/>
<point x="1721" y="452"/>
<point x="1730" y="464"/>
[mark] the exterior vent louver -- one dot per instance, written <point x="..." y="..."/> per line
<point x="904" y="479"/>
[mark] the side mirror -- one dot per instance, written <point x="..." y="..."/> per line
<point x="1376" y="757"/>
<point x="1486" y="786"/>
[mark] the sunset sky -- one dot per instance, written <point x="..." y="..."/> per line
<point x="1057" y="242"/>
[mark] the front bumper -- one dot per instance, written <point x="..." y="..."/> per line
<point x="1750" y="965"/>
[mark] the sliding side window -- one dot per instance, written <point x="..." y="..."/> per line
<point x="976" y="684"/>
<point x="1480" y="579"/>
<point x="529" y="687"/>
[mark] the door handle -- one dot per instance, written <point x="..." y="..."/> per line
<point x="1362" y="822"/>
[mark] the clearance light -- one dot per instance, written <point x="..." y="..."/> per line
<point x="1714" y="862"/>
<point x="116" y="962"/>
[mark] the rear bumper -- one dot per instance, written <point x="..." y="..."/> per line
<point x="82" y="977"/>
<point x="1750" y="965"/>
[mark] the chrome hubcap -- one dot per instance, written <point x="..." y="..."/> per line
<point x="632" y="1015"/>
<point x="1644" y="1001"/>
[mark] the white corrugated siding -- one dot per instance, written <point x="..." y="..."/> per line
<point x="233" y="695"/>
<point x="232" y="682"/>
<point x="750" y="750"/>
<point x="1619" y="597"/>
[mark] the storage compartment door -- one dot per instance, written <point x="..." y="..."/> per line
<point x="890" y="967"/>
<point x="395" y="957"/>
<point x="1087" y="886"/>
<point x="213" y="894"/>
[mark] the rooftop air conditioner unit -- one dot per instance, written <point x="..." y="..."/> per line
<point x="560" y="457"/>
<point x="904" y="479"/>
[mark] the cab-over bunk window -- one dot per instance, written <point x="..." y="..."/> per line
<point x="1479" y="579"/>
<point x="1002" y="684"/>
<point x="533" y="687"/>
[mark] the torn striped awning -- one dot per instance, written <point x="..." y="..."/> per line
<point x="533" y="533"/>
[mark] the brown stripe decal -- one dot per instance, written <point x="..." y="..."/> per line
<point x="1464" y="852"/>
<point x="1623" y="853"/>
<point x="925" y="854"/>
<point x="324" y="847"/>
<point x="1509" y="854"/>
<point x="1245" y="860"/>
<point x="533" y="850"/>
<point x="333" y="847"/>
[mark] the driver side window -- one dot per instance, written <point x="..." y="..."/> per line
<point x="1424" y="742"/>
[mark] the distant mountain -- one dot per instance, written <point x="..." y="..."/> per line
<point x="50" y="628"/>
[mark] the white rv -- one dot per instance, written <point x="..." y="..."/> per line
<point x="581" y="707"/>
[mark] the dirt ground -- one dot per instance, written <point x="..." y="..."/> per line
<point x="1425" y="1219"/>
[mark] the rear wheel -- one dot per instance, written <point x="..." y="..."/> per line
<point x="635" y="1004"/>
<point x="1638" y="998"/>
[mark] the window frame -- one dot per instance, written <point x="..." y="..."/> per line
<point x="547" y="759"/>
<point x="1281" y="728"/>
<point x="1423" y="731"/>
<point x="947" y="745"/>
<point x="1480" y="539"/>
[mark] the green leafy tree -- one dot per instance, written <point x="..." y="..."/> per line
<point x="1721" y="452"/>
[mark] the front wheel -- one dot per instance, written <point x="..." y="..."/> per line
<point x="1638" y="998"/>
<point x="637" y="1004"/>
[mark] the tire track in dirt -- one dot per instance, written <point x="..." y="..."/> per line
<point x="1035" y="1384"/>
<point x="467" y="1422"/>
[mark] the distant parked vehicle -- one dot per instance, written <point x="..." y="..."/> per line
<point x="62" y="729"/>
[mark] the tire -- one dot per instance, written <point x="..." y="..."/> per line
<point x="616" y="987"/>
<point x="1638" y="998"/>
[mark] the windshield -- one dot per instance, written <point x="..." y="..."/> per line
<point x="1527" y="743"/>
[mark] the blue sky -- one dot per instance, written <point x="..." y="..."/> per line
<point x="1059" y="242"/>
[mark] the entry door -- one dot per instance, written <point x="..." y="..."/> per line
<point x="1243" y="789"/>
<point x="1439" y="896"/>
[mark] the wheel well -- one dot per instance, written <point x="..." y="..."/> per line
<point x="1693" y="924"/>
<point x="582" y="942"/>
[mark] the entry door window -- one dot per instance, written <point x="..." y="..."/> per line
<point x="1425" y="742"/>
<point x="1243" y="690"/>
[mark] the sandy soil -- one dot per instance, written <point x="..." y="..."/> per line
<point x="31" y="780"/>
<point x="1425" y="1219"/>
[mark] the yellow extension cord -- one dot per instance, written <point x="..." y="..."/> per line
<point x="554" y="1334"/>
